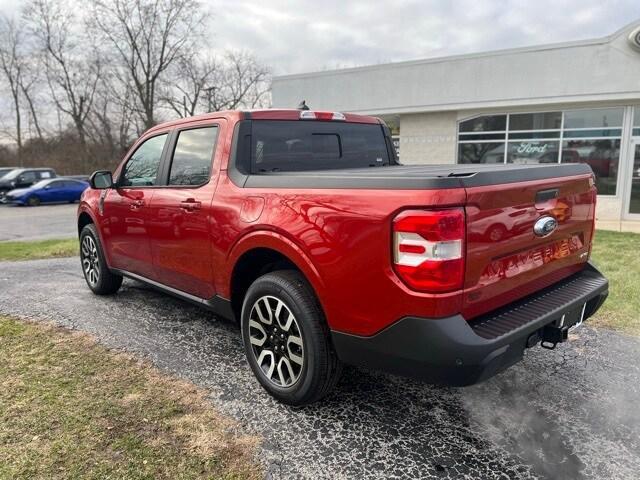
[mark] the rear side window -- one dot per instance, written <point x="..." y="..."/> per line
<point x="45" y="174"/>
<point x="142" y="168"/>
<point x="191" y="163"/>
<point x="293" y="146"/>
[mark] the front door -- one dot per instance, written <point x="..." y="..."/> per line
<point x="180" y="211"/>
<point x="53" y="192"/>
<point x="634" y="196"/>
<point x="126" y="209"/>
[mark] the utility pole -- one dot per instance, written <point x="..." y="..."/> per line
<point x="211" y="92"/>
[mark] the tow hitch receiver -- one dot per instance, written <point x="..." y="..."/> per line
<point x="552" y="335"/>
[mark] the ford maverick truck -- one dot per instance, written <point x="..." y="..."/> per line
<point x="304" y="228"/>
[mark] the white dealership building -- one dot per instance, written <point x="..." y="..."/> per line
<point x="569" y="102"/>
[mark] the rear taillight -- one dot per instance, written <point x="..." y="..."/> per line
<point x="428" y="249"/>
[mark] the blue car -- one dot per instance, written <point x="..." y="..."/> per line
<point x="53" y="190"/>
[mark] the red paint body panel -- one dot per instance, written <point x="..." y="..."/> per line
<point x="341" y="239"/>
<point x="505" y="259"/>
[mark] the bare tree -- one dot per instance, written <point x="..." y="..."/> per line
<point x="29" y="81"/>
<point x="71" y="63"/>
<point x="150" y="36"/>
<point x="112" y="118"/>
<point x="11" y="64"/>
<point x="238" y="81"/>
<point x="192" y="81"/>
<point x="245" y="83"/>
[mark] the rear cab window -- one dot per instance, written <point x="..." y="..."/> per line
<point x="301" y="145"/>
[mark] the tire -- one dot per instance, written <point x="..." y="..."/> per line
<point x="313" y="368"/>
<point x="96" y="272"/>
<point x="33" y="201"/>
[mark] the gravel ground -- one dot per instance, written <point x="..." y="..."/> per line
<point x="38" y="223"/>
<point x="568" y="413"/>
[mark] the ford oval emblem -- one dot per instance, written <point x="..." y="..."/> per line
<point x="545" y="226"/>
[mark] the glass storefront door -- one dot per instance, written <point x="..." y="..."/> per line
<point x="634" y="198"/>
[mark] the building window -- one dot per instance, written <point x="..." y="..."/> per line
<point x="481" y="152"/>
<point x="636" y="121"/>
<point x="578" y="136"/>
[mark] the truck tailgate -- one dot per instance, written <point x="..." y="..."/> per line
<point x="505" y="259"/>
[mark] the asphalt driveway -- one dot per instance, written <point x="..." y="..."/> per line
<point x="38" y="223"/>
<point x="569" y="413"/>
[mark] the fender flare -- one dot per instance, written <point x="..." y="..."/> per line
<point x="280" y="243"/>
<point x="86" y="208"/>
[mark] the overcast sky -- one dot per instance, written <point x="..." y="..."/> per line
<point x="309" y="35"/>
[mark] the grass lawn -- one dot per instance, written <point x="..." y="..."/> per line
<point x="617" y="255"/>
<point x="39" y="249"/>
<point x="70" y="408"/>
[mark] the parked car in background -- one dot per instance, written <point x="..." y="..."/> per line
<point x="5" y="170"/>
<point x="84" y="178"/>
<point x="23" y="178"/>
<point x="55" y="190"/>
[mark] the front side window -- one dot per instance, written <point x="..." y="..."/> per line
<point x="191" y="163"/>
<point x="292" y="146"/>
<point x="142" y="168"/>
<point x="28" y="177"/>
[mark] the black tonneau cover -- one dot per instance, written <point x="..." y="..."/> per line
<point x="412" y="177"/>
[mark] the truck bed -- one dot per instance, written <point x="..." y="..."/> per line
<point x="414" y="177"/>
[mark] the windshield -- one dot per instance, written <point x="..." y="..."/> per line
<point x="41" y="184"/>
<point x="13" y="174"/>
<point x="293" y="146"/>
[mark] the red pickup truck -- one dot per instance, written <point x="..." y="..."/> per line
<point x="304" y="227"/>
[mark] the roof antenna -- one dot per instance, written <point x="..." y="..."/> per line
<point x="303" y="105"/>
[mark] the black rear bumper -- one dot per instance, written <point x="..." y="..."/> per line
<point x="453" y="351"/>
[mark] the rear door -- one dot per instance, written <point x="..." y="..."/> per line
<point x="126" y="208"/>
<point x="506" y="259"/>
<point x="180" y="211"/>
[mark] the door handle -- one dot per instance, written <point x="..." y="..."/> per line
<point x="190" y="205"/>
<point x="136" y="204"/>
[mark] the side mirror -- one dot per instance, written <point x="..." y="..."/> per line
<point x="101" y="180"/>
<point x="47" y="187"/>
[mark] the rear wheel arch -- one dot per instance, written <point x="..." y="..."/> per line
<point x="250" y="266"/>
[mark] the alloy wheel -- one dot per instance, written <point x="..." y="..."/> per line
<point x="90" y="260"/>
<point x="276" y="341"/>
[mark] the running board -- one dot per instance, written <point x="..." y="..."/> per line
<point x="217" y="304"/>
